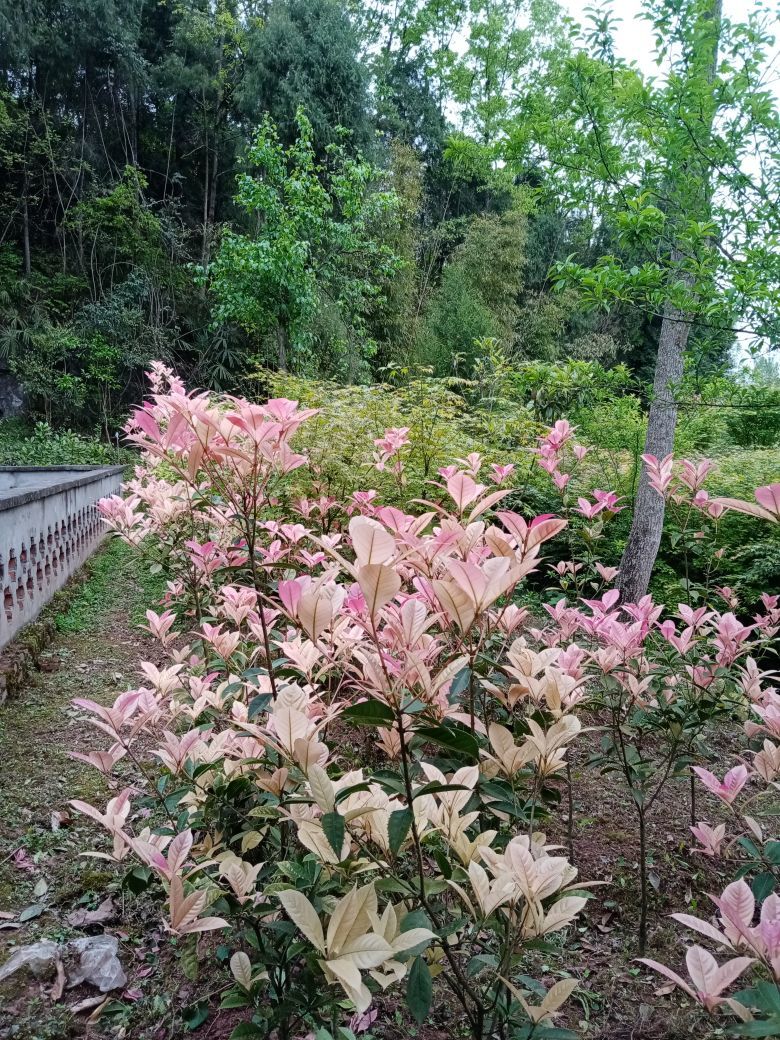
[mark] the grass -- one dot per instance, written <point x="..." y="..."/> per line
<point x="96" y="656"/>
<point x="117" y="566"/>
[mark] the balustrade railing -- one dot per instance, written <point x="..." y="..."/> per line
<point x="49" y="525"/>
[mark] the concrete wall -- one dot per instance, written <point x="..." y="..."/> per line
<point x="49" y="525"/>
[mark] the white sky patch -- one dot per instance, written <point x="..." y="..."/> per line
<point x="634" y="37"/>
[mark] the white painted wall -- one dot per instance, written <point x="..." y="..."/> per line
<point x="49" y="525"/>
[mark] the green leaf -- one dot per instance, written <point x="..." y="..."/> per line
<point x="436" y="787"/>
<point x="258" y="704"/>
<point x="769" y="1027"/>
<point x="461" y="682"/>
<point x="390" y="781"/>
<point x="345" y="792"/>
<point x="173" y="799"/>
<point x="415" y="919"/>
<point x="137" y="880"/>
<point x="443" y="863"/>
<point x="543" y="1032"/>
<point x="480" y="963"/>
<point x="749" y="846"/>
<point x="369" y="713"/>
<point x="389" y="884"/>
<point x="763" y="995"/>
<point x="189" y="958"/>
<point x="763" y="885"/>
<point x="398" y="827"/>
<point x="234" y="999"/>
<point x="195" y="1015"/>
<point x="772" y="852"/>
<point x="419" y="990"/>
<point x="30" y="912"/>
<point x="248" y="1031"/>
<point x="451" y="737"/>
<point x="333" y="825"/>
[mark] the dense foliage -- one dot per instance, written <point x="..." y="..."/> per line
<point x="208" y="181"/>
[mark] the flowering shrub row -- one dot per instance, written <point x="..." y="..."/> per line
<point x="360" y="732"/>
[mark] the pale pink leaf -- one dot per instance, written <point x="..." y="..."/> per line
<point x="371" y="541"/>
<point x="379" y="583"/>
<point x="668" y="973"/>
<point x="703" y="927"/>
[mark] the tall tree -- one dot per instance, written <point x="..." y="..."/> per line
<point x="508" y="42"/>
<point x="198" y="80"/>
<point x="315" y="249"/>
<point x="307" y="57"/>
<point x="688" y="187"/>
<point x="683" y="172"/>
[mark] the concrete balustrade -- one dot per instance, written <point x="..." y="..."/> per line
<point x="49" y="525"/>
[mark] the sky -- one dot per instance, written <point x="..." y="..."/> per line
<point x="634" y="36"/>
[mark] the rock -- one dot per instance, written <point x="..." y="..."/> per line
<point x="99" y="963"/>
<point x="39" y="958"/>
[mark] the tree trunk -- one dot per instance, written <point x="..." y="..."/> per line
<point x="649" y="507"/>
<point x="26" y="228"/>
<point x="647" y="525"/>
<point x="204" y="251"/>
<point x="210" y="187"/>
<point x="281" y="341"/>
<point x="212" y="215"/>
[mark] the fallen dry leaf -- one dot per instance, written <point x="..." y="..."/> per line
<point x="98" y="1010"/>
<point x="22" y="860"/>
<point x="87" y="1004"/>
<point x="59" y="986"/>
<point x="665" y="990"/>
<point x="82" y="918"/>
<point x="60" y="818"/>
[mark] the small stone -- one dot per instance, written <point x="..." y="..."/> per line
<point x="99" y="963"/>
<point x="39" y="958"/>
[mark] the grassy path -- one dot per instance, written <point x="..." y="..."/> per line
<point x="42" y="875"/>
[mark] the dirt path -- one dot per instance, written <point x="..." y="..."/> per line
<point x="43" y="877"/>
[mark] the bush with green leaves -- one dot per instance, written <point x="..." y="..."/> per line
<point x="44" y="446"/>
<point x="314" y="254"/>
<point x="339" y="440"/>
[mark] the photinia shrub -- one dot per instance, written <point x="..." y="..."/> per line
<point x="359" y="734"/>
<point x="747" y="925"/>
